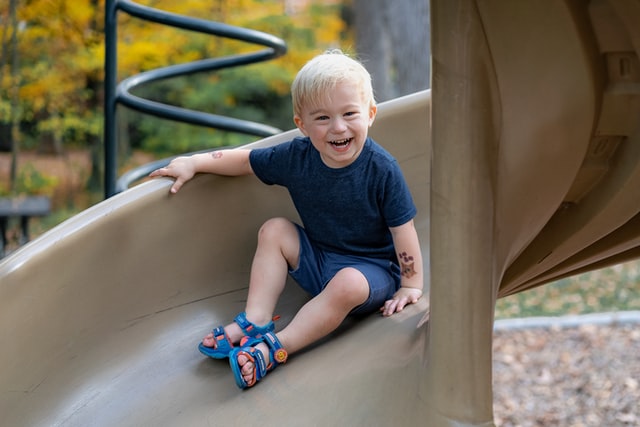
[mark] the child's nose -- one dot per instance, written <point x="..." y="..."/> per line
<point x="338" y="125"/>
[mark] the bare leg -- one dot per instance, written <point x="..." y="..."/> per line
<point x="278" y="248"/>
<point x="318" y="317"/>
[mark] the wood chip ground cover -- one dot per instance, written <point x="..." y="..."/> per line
<point x="581" y="376"/>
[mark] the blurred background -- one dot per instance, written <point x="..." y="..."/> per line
<point x="52" y="73"/>
<point x="51" y="101"/>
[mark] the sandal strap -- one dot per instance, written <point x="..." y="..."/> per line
<point x="223" y="345"/>
<point x="251" y="329"/>
<point x="219" y="333"/>
<point x="277" y="353"/>
<point x="259" y="361"/>
<point x="247" y="347"/>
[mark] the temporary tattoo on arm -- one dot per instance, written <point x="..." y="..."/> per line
<point x="216" y="154"/>
<point x="406" y="265"/>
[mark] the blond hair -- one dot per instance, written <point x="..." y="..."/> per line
<point x="322" y="73"/>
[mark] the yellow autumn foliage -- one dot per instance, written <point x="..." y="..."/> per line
<point x="61" y="48"/>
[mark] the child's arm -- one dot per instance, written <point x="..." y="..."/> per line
<point x="223" y="162"/>
<point x="405" y="240"/>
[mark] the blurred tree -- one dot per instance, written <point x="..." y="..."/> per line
<point x="58" y="54"/>
<point x="393" y="40"/>
<point x="258" y="92"/>
<point x="60" y="72"/>
<point x="10" y="48"/>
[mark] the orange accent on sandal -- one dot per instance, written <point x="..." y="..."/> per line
<point x="281" y="355"/>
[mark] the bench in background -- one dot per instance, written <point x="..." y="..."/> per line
<point x="24" y="208"/>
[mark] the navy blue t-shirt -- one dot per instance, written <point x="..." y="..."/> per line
<point x="345" y="210"/>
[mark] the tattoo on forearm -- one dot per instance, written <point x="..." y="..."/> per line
<point x="406" y="265"/>
<point x="216" y="154"/>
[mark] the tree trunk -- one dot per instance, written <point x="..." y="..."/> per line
<point x="94" y="182"/>
<point x="408" y="25"/>
<point x="374" y="45"/>
<point x="15" y="114"/>
<point x="392" y="39"/>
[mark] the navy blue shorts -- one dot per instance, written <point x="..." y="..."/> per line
<point x="316" y="267"/>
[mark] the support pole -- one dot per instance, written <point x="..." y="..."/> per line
<point x="462" y="219"/>
<point x="110" y="81"/>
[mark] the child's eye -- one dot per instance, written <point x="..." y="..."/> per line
<point x="351" y="113"/>
<point x="322" y="118"/>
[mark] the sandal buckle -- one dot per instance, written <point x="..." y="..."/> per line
<point x="280" y="355"/>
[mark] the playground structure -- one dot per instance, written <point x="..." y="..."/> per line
<point x="122" y="93"/>
<point x="524" y="161"/>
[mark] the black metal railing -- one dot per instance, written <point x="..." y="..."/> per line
<point x="121" y="93"/>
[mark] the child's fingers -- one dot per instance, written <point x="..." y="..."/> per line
<point x="397" y="304"/>
<point x="392" y="306"/>
<point x="160" y="172"/>
<point x="168" y="172"/>
<point x="177" y="185"/>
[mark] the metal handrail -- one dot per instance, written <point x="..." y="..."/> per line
<point x="121" y="93"/>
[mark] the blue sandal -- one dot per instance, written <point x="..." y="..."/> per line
<point x="277" y="356"/>
<point x="223" y="343"/>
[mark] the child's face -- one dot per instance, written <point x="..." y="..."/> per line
<point x="338" y="125"/>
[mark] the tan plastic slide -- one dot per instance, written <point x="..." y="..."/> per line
<point x="526" y="169"/>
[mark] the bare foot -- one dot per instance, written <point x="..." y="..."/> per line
<point x="232" y="330"/>
<point x="247" y="366"/>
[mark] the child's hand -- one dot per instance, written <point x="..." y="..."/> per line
<point x="180" y="168"/>
<point x="402" y="298"/>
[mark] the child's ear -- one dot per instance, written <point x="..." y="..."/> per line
<point x="373" y="110"/>
<point x="299" y="124"/>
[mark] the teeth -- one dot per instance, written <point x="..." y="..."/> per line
<point x="341" y="142"/>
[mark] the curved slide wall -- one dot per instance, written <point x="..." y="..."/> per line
<point x="525" y="169"/>
<point x="101" y="317"/>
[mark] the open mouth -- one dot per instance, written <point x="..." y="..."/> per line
<point x="341" y="143"/>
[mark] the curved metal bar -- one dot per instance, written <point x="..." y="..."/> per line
<point x="158" y="109"/>
<point x="121" y="93"/>
<point x="201" y="25"/>
<point x="142" y="171"/>
<point x="138" y="173"/>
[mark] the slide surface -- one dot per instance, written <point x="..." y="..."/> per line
<point x="524" y="162"/>
<point x="104" y="313"/>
